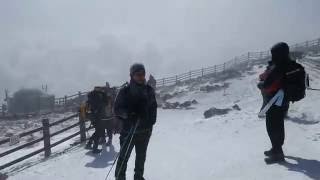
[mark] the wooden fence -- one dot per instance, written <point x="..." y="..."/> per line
<point x="72" y="102"/>
<point x="46" y="139"/>
<point x="313" y="45"/>
<point x="67" y="101"/>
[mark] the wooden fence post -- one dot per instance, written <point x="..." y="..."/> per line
<point x="202" y="72"/>
<point x="82" y="124"/>
<point x="215" y="69"/>
<point x="3" y="110"/>
<point x="176" y="79"/>
<point x="65" y="102"/>
<point x="249" y="59"/>
<point x="79" y="97"/>
<point x="189" y="75"/>
<point x="163" y="82"/>
<point x="46" y="137"/>
<point x="224" y="67"/>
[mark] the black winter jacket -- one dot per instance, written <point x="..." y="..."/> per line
<point x="135" y="102"/>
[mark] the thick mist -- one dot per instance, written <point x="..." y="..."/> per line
<point x="76" y="44"/>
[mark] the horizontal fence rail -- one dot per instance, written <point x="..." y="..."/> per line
<point x="70" y="101"/>
<point x="46" y="138"/>
<point x="250" y="57"/>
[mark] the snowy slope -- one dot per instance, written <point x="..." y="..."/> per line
<point x="187" y="146"/>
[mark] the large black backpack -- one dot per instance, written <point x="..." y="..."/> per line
<point x="97" y="100"/>
<point x="295" y="82"/>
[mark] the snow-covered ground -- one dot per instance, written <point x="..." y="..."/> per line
<point x="187" y="146"/>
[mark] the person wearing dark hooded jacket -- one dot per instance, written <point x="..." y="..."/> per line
<point x="136" y="106"/>
<point x="273" y="81"/>
<point x="97" y="101"/>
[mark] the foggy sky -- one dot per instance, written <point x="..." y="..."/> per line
<point x="75" y="44"/>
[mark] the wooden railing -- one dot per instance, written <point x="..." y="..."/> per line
<point x="237" y="61"/>
<point x="73" y="101"/>
<point x="46" y="139"/>
<point x="313" y="45"/>
<point x="65" y="101"/>
<point x="75" y="98"/>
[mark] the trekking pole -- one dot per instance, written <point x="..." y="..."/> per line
<point x="313" y="89"/>
<point x="125" y="155"/>
<point x="132" y="132"/>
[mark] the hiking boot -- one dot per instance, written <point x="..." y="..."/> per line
<point x="102" y="141"/>
<point x="275" y="158"/>
<point x="138" y="177"/>
<point x="88" y="146"/>
<point x="109" y="143"/>
<point x="268" y="153"/>
<point x="96" y="151"/>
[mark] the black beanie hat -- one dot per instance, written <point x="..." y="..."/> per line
<point x="137" y="67"/>
<point x="280" y="49"/>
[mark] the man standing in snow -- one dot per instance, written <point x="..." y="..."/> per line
<point x="273" y="81"/>
<point x="136" y="106"/>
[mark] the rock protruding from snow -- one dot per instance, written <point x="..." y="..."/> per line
<point x="215" y="87"/>
<point x="217" y="112"/>
<point x="236" y="107"/>
<point x="168" y="105"/>
<point x="177" y="105"/>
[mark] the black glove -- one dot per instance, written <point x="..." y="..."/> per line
<point x="133" y="117"/>
<point x="260" y="85"/>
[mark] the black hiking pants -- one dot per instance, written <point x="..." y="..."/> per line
<point x="275" y="127"/>
<point x="98" y="133"/>
<point x="140" y="141"/>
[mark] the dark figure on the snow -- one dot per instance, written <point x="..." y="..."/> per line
<point x="284" y="82"/>
<point x="272" y="80"/>
<point x="152" y="82"/>
<point x="108" y="120"/>
<point x="136" y="106"/>
<point x="97" y="101"/>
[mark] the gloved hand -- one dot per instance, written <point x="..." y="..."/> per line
<point x="260" y="85"/>
<point x="133" y="117"/>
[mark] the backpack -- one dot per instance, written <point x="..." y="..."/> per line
<point x="96" y="100"/>
<point x="295" y="82"/>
